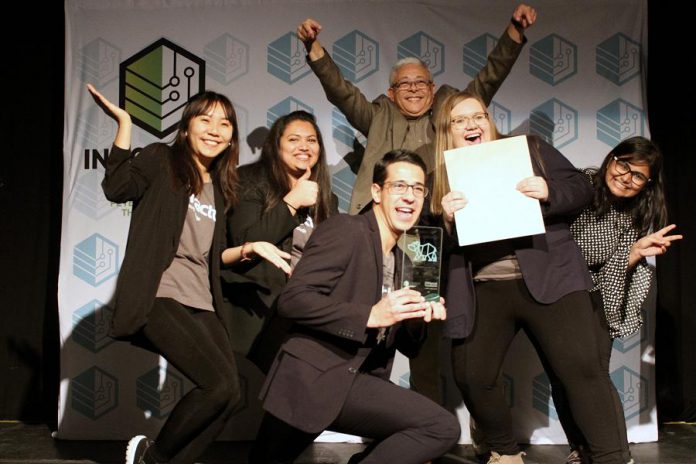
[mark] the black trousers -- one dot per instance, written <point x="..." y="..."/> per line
<point x="564" y="333"/>
<point x="196" y="343"/>
<point x="406" y="427"/>
<point x="576" y="439"/>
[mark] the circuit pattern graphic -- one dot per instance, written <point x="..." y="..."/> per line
<point x="157" y="82"/>
<point x="428" y="49"/>
<point x="357" y="55"/>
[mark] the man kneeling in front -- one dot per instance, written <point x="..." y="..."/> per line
<point x="333" y="370"/>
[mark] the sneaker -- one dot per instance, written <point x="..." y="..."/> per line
<point x="578" y="456"/>
<point x="137" y="446"/>
<point x="506" y="458"/>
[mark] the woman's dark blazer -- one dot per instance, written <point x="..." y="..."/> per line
<point x="252" y="288"/>
<point x="248" y="222"/>
<point x="157" y="220"/>
<point x="551" y="263"/>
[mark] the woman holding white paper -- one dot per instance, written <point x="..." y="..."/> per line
<point x="538" y="283"/>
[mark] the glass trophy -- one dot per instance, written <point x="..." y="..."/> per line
<point x="418" y="264"/>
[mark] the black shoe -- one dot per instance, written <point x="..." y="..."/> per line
<point x="137" y="446"/>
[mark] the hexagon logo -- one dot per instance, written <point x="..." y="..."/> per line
<point x="157" y="82"/>
<point x="476" y="52"/>
<point x="95" y="259"/>
<point x="286" y="58"/>
<point x="618" y="59"/>
<point x="286" y="106"/>
<point x="357" y="55"/>
<point x="501" y="116"/>
<point x="342" y="185"/>
<point x="553" y="59"/>
<point x="227" y="58"/>
<point x="98" y="61"/>
<point x="91" y="325"/>
<point x="94" y="393"/>
<point x="430" y="51"/>
<point x="633" y="391"/>
<point x="541" y="396"/>
<point x="89" y="198"/>
<point x="554" y="121"/>
<point x="619" y="120"/>
<point x="158" y="391"/>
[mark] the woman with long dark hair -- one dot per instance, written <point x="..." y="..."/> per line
<point x="169" y="285"/>
<point x="536" y="283"/>
<point x="283" y="196"/>
<point x="625" y="223"/>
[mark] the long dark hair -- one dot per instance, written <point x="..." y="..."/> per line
<point x="224" y="167"/>
<point x="277" y="171"/>
<point x="648" y="209"/>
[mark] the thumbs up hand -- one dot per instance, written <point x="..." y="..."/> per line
<point x="304" y="193"/>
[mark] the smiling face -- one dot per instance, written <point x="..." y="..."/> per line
<point x="209" y="134"/>
<point x="416" y="98"/>
<point x="397" y="213"/>
<point x="619" y="179"/>
<point x="299" y="147"/>
<point x="467" y="125"/>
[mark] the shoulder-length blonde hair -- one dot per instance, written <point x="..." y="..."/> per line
<point x="444" y="141"/>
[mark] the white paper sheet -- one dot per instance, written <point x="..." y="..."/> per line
<point x="487" y="174"/>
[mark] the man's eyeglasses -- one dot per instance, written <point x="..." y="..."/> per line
<point x="462" y="122"/>
<point x="400" y="188"/>
<point x="623" y="167"/>
<point x="408" y="85"/>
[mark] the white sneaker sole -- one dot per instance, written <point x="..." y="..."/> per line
<point x="132" y="447"/>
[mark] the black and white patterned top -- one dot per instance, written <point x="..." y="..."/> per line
<point x="605" y="243"/>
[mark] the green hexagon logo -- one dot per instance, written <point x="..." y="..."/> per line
<point x="157" y="82"/>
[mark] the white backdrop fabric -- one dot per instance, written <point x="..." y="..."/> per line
<point x="580" y="82"/>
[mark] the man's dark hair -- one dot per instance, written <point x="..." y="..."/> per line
<point x="379" y="174"/>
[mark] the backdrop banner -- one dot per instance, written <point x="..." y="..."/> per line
<point x="579" y="83"/>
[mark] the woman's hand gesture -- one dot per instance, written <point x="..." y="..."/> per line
<point x="652" y="245"/>
<point x="125" y="125"/>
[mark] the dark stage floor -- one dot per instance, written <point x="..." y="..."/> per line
<point x="32" y="443"/>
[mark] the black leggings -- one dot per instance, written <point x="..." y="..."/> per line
<point x="564" y="333"/>
<point x="560" y="398"/>
<point x="196" y="343"/>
